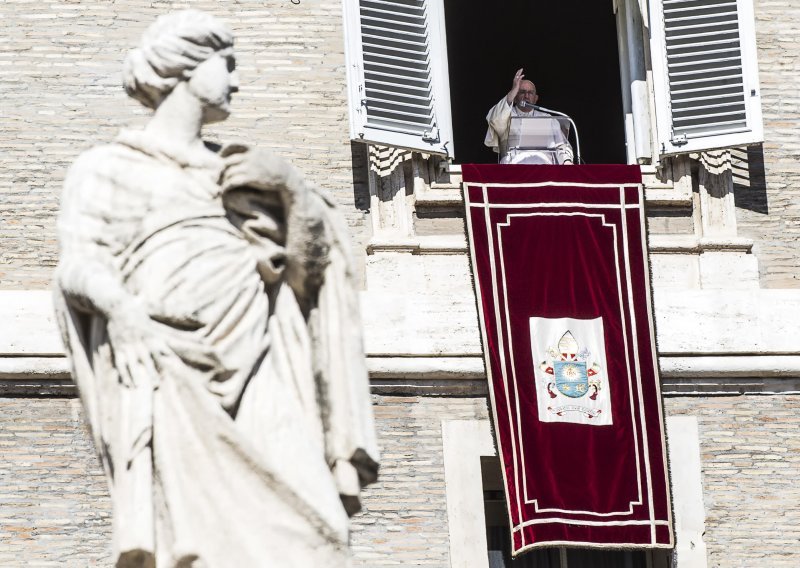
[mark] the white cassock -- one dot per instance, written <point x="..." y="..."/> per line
<point x="499" y="119"/>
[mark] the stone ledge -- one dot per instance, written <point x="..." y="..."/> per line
<point x="434" y="244"/>
<point x="667" y="194"/>
<point x="698" y="375"/>
<point x="470" y="367"/>
<point x="690" y="244"/>
<point x="42" y="367"/>
<point x="658" y="244"/>
<point x="448" y="194"/>
<point x="441" y="195"/>
<point x="730" y="366"/>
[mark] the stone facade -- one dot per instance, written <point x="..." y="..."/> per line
<point x="404" y="522"/>
<point x="767" y="187"/>
<point x="56" y="512"/>
<point x="59" y="78"/>
<point x="54" y="504"/>
<point x="750" y="453"/>
<point x="60" y="75"/>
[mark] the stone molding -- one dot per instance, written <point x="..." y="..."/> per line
<point x="742" y="342"/>
<point x="657" y="244"/>
<point x="465" y="376"/>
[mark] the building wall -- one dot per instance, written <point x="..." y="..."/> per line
<point x="60" y="69"/>
<point x="60" y="65"/>
<point x="54" y="504"/>
<point x="60" y="78"/>
<point x="750" y="453"/>
<point x="767" y="188"/>
<point x="55" y="510"/>
<point x="404" y="522"/>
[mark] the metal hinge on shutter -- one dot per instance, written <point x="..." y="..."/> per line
<point x="679" y="139"/>
<point x="431" y="135"/>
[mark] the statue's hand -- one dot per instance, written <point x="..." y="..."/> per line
<point x="137" y="345"/>
<point x="259" y="169"/>
<point x="175" y="315"/>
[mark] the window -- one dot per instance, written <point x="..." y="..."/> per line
<point x="476" y="512"/>
<point x="487" y="42"/>
<point x="498" y="538"/>
<point x="704" y="75"/>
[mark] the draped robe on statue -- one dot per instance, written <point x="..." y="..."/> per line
<point x="256" y="430"/>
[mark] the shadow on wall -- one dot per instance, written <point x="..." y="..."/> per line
<point x="359" y="167"/>
<point x="749" y="179"/>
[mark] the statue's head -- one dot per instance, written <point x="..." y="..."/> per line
<point x="189" y="46"/>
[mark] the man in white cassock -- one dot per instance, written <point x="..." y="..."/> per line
<point x="517" y="103"/>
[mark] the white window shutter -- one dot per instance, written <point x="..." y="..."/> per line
<point x="705" y="74"/>
<point x="397" y="79"/>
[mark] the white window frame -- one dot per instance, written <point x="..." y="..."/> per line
<point x="753" y="133"/>
<point x="442" y="141"/>
<point x="635" y="81"/>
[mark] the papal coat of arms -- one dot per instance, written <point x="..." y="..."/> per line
<point x="571" y="376"/>
<point x="574" y="372"/>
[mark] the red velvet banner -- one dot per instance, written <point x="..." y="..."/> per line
<point x="559" y="258"/>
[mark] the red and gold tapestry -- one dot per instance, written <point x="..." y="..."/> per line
<point x="559" y="259"/>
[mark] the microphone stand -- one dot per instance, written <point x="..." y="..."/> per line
<point x="572" y="122"/>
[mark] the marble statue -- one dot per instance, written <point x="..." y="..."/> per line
<point x="206" y="301"/>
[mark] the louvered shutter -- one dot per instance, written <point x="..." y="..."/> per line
<point x="397" y="74"/>
<point x="705" y="74"/>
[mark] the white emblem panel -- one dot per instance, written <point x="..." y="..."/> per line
<point x="569" y="364"/>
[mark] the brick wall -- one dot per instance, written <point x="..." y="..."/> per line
<point x="54" y="505"/>
<point x="60" y="68"/>
<point x="750" y="451"/>
<point x="54" y="508"/>
<point x="768" y="199"/>
<point x="405" y="514"/>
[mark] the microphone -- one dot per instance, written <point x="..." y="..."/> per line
<point x="526" y="105"/>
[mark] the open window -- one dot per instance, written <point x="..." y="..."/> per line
<point x="399" y="91"/>
<point x="689" y="64"/>
<point x="567" y="48"/>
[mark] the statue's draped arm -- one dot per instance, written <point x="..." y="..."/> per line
<point x="115" y="373"/>
<point x="319" y="270"/>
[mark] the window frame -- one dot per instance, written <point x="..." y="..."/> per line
<point x="657" y="120"/>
